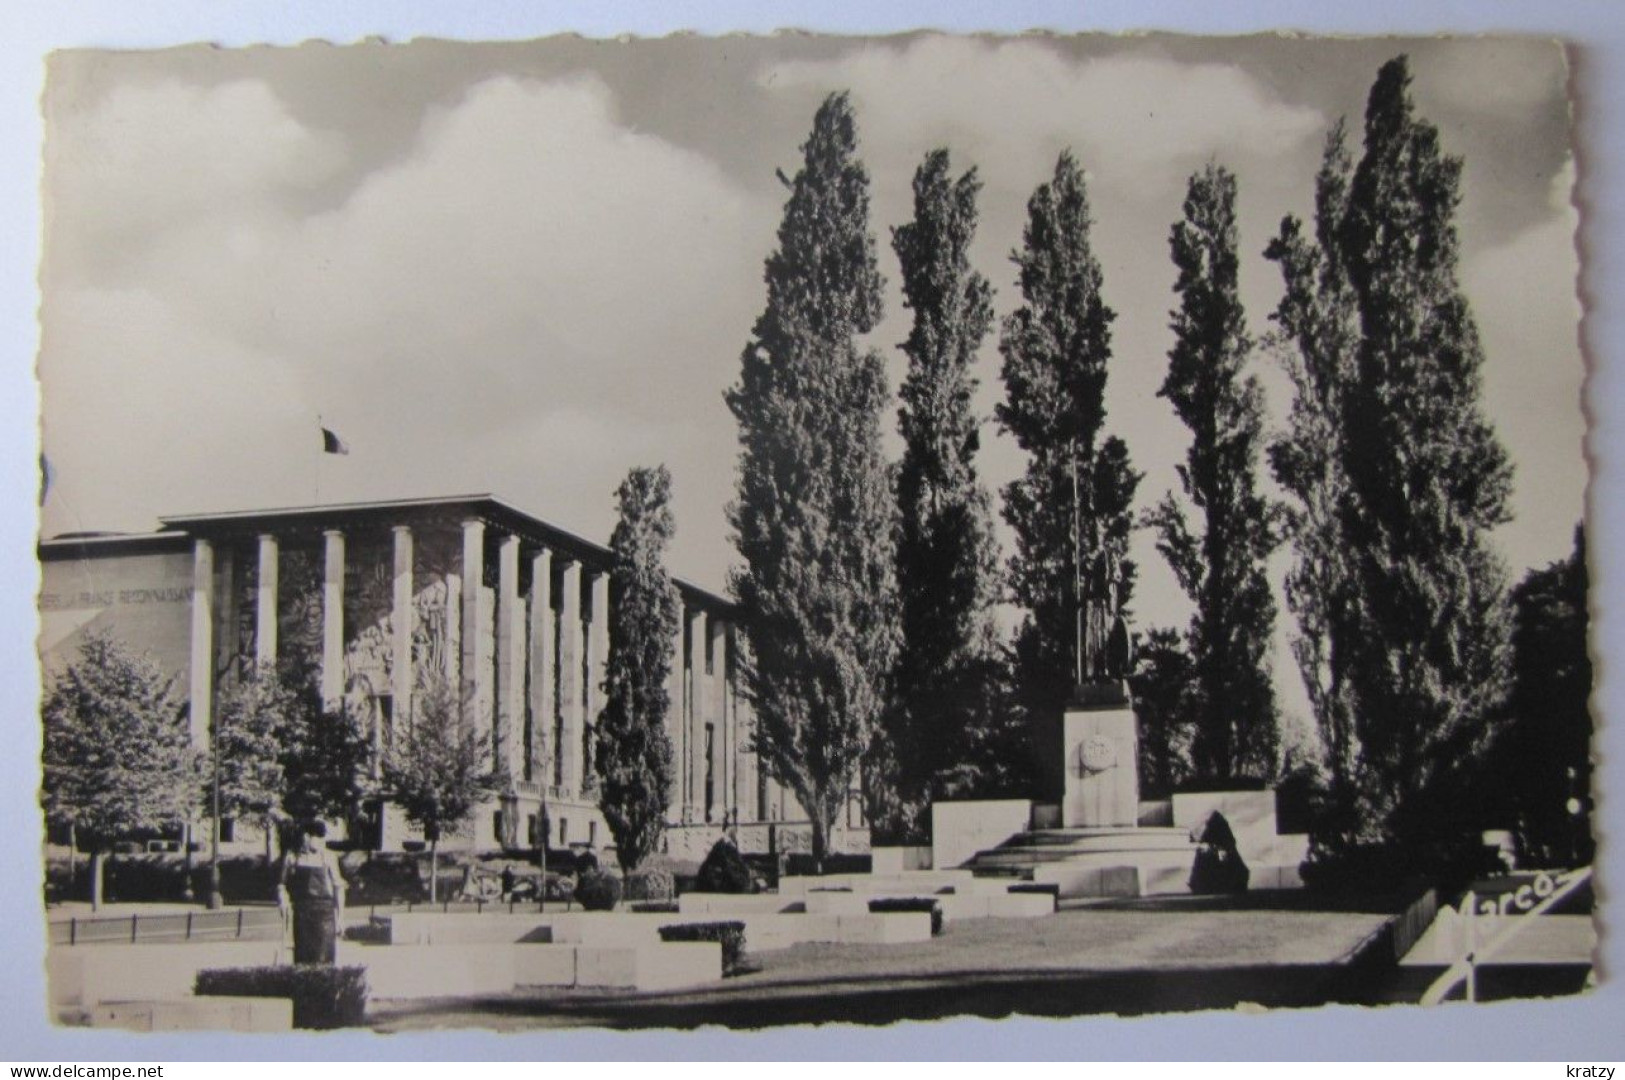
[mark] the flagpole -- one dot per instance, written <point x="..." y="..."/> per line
<point x="321" y="452"/>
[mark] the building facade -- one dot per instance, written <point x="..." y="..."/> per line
<point x="380" y="597"/>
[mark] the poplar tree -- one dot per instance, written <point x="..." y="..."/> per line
<point x="118" y="751"/>
<point x="1222" y="569"/>
<point x="1315" y="341"/>
<point x="634" y="755"/>
<point x="1078" y="488"/>
<point x="945" y="694"/>
<point x="815" y="513"/>
<point x="1428" y="477"/>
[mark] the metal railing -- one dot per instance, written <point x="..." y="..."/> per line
<point x="243" y="924"/>
<point x="1488" y="918"/>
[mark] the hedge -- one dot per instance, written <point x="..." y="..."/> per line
<point x="323" y="996"/>
<point x="912" y="903"/>
<point x="730" y="934"/>
<point x="724" y="871"/>
<point x="598" y="890"/>
<point x="650" y="883"/>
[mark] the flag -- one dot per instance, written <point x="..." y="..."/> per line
<point x="332" y="444"/>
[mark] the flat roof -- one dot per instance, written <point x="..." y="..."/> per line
<point x="179" y="528"/>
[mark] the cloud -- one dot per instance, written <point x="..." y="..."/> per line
<point x="531" y="299"/>
<point x="1134" y="120"/>
<point x="150" y="157"/>
<point x="1499" y="77"/>
<point x="1524" y="296"/>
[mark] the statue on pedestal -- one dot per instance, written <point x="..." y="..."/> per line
<point x="1104" y="651"/>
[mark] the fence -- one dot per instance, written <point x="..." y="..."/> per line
<point x="243" y="924"/>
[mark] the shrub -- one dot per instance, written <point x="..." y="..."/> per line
<point x="650" y="883"/>
<point x="655" y="907"/>
<point x="913" y="903"/>
<point x="558" y="886"/>
<point x="730" y="934"/>
<point x="598" y="890"/>
<point x="800" y="863"/>
<point x="323" y="996"/>
<point x="724" y="870"/>
<point x="1219" y="868"/>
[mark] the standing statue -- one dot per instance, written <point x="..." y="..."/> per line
<point x="1105" y="652"/>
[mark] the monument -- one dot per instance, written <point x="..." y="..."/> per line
<point x="1098" y="732"/>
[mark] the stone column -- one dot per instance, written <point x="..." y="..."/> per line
<point x="726" y="772"/>
<point x="698" y="714"/>
<point x="201" y="689"/>
<point x="597" y="655"/>
<point x="569" y="748"/>
<point x="227" y="631"/>
<point x="682" y="805"/>
<point x="510" y="703"/>
<point x="541" y="658"/>
<point x="265" y="604"/>
<point x="470" y="678"/>
<point x="333" y="620"/>
<point x="402" y="624"/>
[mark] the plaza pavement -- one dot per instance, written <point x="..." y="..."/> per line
<point x="1104" y="959"/>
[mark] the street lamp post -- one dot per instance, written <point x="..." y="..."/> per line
<point x="215" y="899"/>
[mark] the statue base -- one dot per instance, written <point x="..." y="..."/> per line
<point x="1099" y="693"/>
<point x="1101" y="743"/>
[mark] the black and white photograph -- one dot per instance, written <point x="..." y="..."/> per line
<point x="748" y="531"/>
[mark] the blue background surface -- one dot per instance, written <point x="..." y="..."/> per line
<point x="1573" y="1030"/>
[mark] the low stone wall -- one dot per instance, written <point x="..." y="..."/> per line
<point x="464" y="970"/>
<point x="960" y="829"/>
<point x="898" y="860"/>
<point x="81" y="977"/>
<point x="196" y="1014"/>
<point x="693" y="842"/>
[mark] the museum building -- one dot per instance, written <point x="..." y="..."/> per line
<point x="381" y="596"/>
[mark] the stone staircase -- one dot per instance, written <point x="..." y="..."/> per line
<point x="1094" y="862"/>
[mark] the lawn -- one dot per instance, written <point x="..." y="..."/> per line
<point x="1123" y="958"/>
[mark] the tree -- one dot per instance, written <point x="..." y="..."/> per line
<point x="813" y="518"/>
<point x="1428" y="478"/>
<point x="252" y="721"/>
<point x="437" y="770"/>
<point x="947" y="558"/>
<point x="1078" y="489"/>
<point x="118" y="753"/>
<point x="1544" y="769"/>
<point x="1236" y="730"/>
<point x="327" y="756"/>
<point x="1164" y="683"/>
<point x="1316" y="338"/>
<point x="634" y="752"/>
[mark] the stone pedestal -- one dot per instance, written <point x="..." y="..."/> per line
<point x="1102" y="772"/>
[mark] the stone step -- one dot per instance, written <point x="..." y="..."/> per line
<point x="1054" y="848"/>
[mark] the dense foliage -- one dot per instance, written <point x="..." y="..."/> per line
<point x="724" y="870"/>
<point x="1416" y="608"/>
<point x="438" y="770"/>
<point x="942" y="731"/>
<point x="634" y="755"/>
<point x="1078" y="488"/>
<point x="324" y="996"/>
<point x="598" y="890"/>
<point x="118" y="753"/>
<point x="731" y="935"/>
<point x="814" y="514"/>
<point x="1221" y="567"/>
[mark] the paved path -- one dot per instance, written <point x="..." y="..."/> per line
<point x="1076" y="962"/>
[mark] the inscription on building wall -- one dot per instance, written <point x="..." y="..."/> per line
<point x="177" y="594"/>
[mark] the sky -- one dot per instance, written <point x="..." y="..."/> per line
<point x="525" y="268"/>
